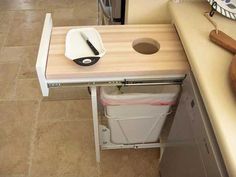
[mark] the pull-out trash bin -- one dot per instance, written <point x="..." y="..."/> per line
<point x="136" y="114"/>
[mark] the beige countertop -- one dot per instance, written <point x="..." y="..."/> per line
<point x="210" y="64"/>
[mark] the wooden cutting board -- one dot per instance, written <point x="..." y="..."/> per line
<point x="229" y="44"/>
<point x="233" y="72"/>
<point x="121" y="60"/>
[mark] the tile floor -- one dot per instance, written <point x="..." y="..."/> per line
<point x="53" y="136"/>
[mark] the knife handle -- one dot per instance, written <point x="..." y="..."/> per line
<point x="92" y="47"/>
<point x="223" y="40"/>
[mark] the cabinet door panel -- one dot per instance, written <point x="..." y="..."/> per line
<point x="193" y="149"/>
<point x="204" y="136"/>
<point x="181" y="158"/>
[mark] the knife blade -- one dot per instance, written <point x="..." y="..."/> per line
<point x="91" y="46"/>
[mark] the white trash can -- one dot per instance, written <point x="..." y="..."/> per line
<point x="136" y="114"/>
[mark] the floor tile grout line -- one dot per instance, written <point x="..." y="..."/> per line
<point x="6" y="35"/>
<point x="99" y="170"/>
<point x="22" y="46"/>
<point x="8" y="30"/>
<point x="67" y="110"/>
<point x="33" y="138"/>
<point x="36" y="99"/>
<point x="48" y="99"/>
<point x="70" y="120"/>
<point x="14" y="11"/>
<point x="16" y="81"/>
<point x="36" y="9"/>
<point x="18" y="69"/>
<point x="26" y="45"/>
<point x="16" y="99"/>
<point x="27" y="78"/>
<point x="10" y="62"/>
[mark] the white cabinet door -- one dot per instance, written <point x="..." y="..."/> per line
<point x="182" y="157"/>
<point x="192" y="150"/>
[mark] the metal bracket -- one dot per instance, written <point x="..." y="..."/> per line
<point x="213" y="8"/>
<point x="105" y="141"/>
<point x="54" y="85"/>
<point x="123" y="82"/>
<point x="151" y="82"/>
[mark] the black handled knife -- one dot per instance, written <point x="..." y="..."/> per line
<point x="95" y="51"/>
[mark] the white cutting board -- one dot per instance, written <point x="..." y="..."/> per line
<point x="77" y="47"/>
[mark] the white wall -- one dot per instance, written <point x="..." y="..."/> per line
<point x="148" y="11"/>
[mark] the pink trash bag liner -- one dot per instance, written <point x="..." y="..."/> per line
<point x="151" y="95"/>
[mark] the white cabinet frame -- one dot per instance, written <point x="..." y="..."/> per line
<point x="43" y="54"/>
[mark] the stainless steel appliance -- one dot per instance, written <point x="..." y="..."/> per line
<point x="192" y="149"/>
<point x="111" y="12"/>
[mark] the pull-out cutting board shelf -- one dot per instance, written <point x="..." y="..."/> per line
<point x="121" y="64"/>
<point x="120" y="60"/>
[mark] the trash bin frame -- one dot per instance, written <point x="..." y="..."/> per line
<point x="160" y="118"/>
<point x="105" y="132"/>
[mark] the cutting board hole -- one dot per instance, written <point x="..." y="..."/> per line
<point x="146" y="46"/>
